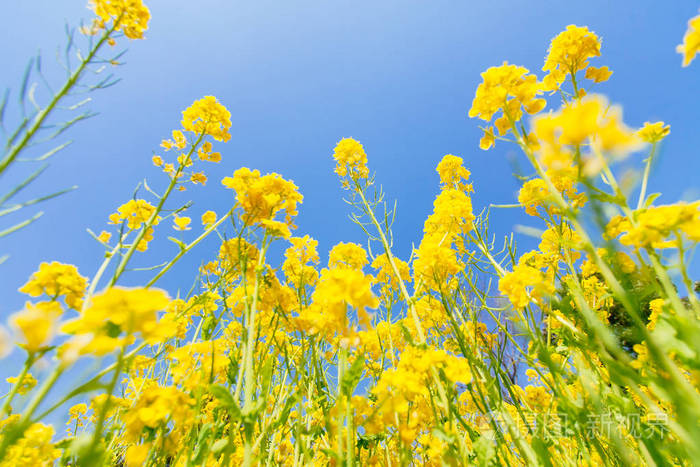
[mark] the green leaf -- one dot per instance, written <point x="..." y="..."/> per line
<point x="650" y="199"/>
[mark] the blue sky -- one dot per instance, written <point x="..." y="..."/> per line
<point x="298" y="76"/>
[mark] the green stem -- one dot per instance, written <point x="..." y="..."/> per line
<point x="249" y="376"/>
<point x="187" y="248"/>
<point x="20" y="379"/>
<point x="46" y="111"/>
<point x="392" y="263"/>
<point x="645" y="179"/>
<point x="105" y="406"/>
<point x="149" y="223"/>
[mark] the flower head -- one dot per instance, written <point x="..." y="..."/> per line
<point x="130" y="16"/>
<point x="691" y="41"/>
<point x="207" y="116"/>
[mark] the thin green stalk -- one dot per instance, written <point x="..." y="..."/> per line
<point x="249" y="376"/>
<point x="46" y="111"/>
<point x="187" y="248"/>
<point x="645" y="178"/>
<point x="149" y="223"/>
<point x="8" y="400"/>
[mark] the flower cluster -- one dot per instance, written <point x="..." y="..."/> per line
<point x="130" y="16"/>
<point x="506" y="88"/>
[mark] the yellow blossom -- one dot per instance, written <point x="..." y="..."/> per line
<point x="208" y="218"/>
<point x="351" y="159"/>
<point x="568" y="53"/>
<point x="598" y="75"/>
<point x="181" y="223"/>
<point x="130" y="16"/>
<point x="56" y="279"/>
<point x="28" y="382"/>
<point x="653" y="132"/>
<point x="262" y="197"/>
<point x="691" y="41"/>
<point x="207" y="116"/>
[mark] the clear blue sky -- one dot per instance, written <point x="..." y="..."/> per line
<point x="297" y="76"/>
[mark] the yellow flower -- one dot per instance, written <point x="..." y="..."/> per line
<point x="104" y="236"/>
<point x="347" y="255"/>
<point x="598" y="75"/>
<point x="351" y="159"/>
<point x="135" y="212"/>
<point x="198" y="177"/>
<point x="568" y="54"/>
<point x="488" y="140"/>
<point x="506" y="88"/>
<point x="653" y="132"/>
<point x="37" y="324"/>
<point x="337" y="289"/>
<point x="35" y="448"/>
<point x="137" y="454"/>
<point x="656" y="224"/>
<point x="453" y="174"/>
<point x="656" y="307"/>
<point x="276" y="228"/>
<point x="181" y="223"/>
<point x="119" y="310"/>
<point x="208" y="218"/>
<point x="691" y="41"/>
<point x="296" y="265"/>
<point x="157" y="161"/>
<point x="28" y="382"/>
<point x="524" y="283"/>
<point x="204" y="153"/>
<point x="262" y="197"/>
<point x="207" y="116"/>
<point x="130" y="16"/>
<point x="56" y="279"/>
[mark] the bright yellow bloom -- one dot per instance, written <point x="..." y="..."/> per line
<point x="156" y="406"/>
<point x="351" y="159"/>
<point x="56" y="279"/>
<point x="524" y="283"/>
<point x="337" y="289"/>
<point x="299" y="257"/>
<point x="598" y="75"/>
<point x="104" y="236"/>
<point x="579" y="124"/>
<point x="691" y="41"/>
<point x="207" y="116"/>
<point x="181" y="223"/>
<point x="453" y="174"/>
<point x="204" y="152"/>
<point x="656" y="307"/>
<point x="198" y="177"/>
<point x="262" y="197"/>
<point x="653" y="132"/>
<point x="656" y="224"/>
<point x="157" y="161"/>
<point x="276" y="228"/>
<point x="386" y="273"/>
<point x="35" y="448"/>
<point x="135" y="212"/>
<point x="137" y="454"/>
<point x="506" y="88"/>
<point x="347" y="255"/>
<point x="208" y="218"/>
<point x="36" y="324"/>
<point x="130" y="16"/>
<point x="568" y="53"/>
<point x="488" y="140"/>
<point x="28" y="382"/>
<point x="119" y="310"/>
